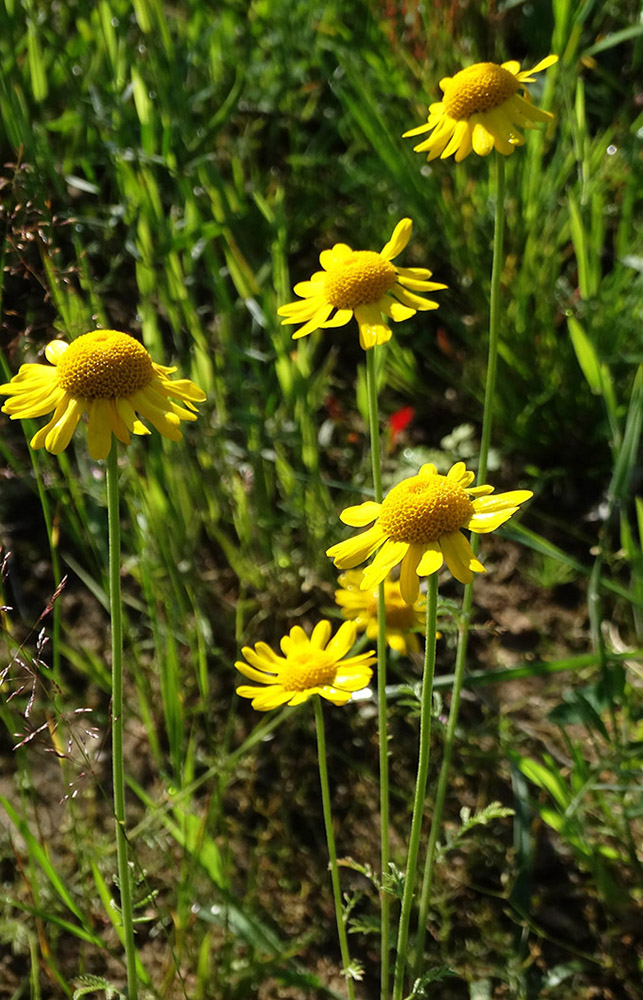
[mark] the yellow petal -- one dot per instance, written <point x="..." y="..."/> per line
<point x="399" y="239"/>
<point x="362" y="514"/>
<point x="344" y="640"/>
<point x="389" y="556"/>
<point x="459" y="558"/>
<point x="500" y="501"/>
<point x="331" y="258"/>
<point x="482" y="140"/>
<point x="356" y="550"/>
<point x="409" y="580"/>
<point x="431" y="560"/>
<point x="321" y="635"/>
<point x="55" y="350"/>
<point x="60" y="434"/>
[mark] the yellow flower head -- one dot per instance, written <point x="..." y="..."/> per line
<point x="363" y="284"/>
<point x="111" y="377"/>
<point x="308" y="666"/>
<point x="482" y="107"/>
<point x="361" y="606"/>
<point x="418" y="525"/>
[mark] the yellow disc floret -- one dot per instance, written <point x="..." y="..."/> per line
<point x="360" y="279"/>
<point x="421" y="509"/>
<point x="478" y="88"/>
<point x="105" y="364"/>
<point x="309" y="669"/>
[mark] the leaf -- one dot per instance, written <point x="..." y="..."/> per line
<point x="586" y="355"/>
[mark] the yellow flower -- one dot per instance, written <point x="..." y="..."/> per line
<point x="309" y="666"/>
<point x="418" y="525"/>
<point x="363" y="284"/>
<point x="111" y="377"/>
<point x="361" y="606"/>
<point x="482" y="108"/>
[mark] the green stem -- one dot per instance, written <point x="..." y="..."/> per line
<point x="115" y="605"/>
<point x="440" y="795"/>
<point x="494" y="312"/>
<point x="467" y="599"/>
<point x="420" y="785"/>
<point x="330" y="839"/>
<point x="385" y="900"/>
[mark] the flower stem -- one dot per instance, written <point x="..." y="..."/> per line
<point x="117" y="718"/>
<point x="467" y="599"/>
<point x="494" y="312"/>
<point x="330" y="839"/>
<point x="420" y="785"/>
<point x="385" y="899"/>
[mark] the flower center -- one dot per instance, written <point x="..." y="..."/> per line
<point x="312" y="668"/>
<point x="399" y="614"/>
<point x="104" y="364"/>
<point x="359" y="280"/>
<point x="480" y="87"/>
<point x="423" y="508"/>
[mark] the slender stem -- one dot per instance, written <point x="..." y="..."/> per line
<point x="467" y="599"/>
<point x="117" y="717"/>
<point x="420" y="785"/>
<point x="440" y="795"/>
<point x="494" y="312"/>
<point x="385" y="899"/>
<point x="330" y="839"/>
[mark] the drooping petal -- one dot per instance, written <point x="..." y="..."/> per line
<point x="431" y="560"/>
<point x="395" y="310"/>
<point x="356" y="550"/>
<point x="99" y="429"/>
<point x="481" y="138"/>
<point x="313" y="324"/>
<point x="40" y="437"/>
<point x="390" y="555"/>
<point x="372" y="328"/>
<point x="454" y="143"/>
<point x="459" y="558"/>
<point x="412" y="300"/>
<point x="341" y="318"/>
<point x="409" y="580"/>
<point x="61" y="433"/>
<point x="419" y="285"/>
<point x="333" y="695"/>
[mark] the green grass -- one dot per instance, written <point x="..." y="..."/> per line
<point x="173" y="170"/>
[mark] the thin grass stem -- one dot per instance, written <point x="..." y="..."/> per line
<point x="420" y="785"/>
<point x="467" y="599"/>
<point x="115" y="605"/>
<point x="376" y="462"/>
<point x="330" y="839"/>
